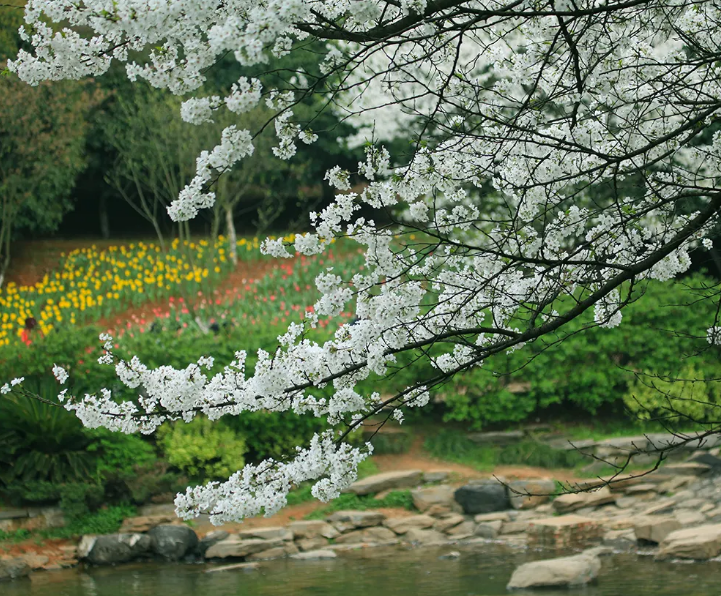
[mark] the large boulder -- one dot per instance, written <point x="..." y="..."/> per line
<point x="114" y="548"/>
<point x="566" y="531"/>
<point x="209" y="540"/>
<point x="13" y="568"/>
<point x="400" y="525"/>
<point x="173" y="542"/>
<point x="654" y="528"/>
<point x="235" y="547"/>
<point x="482" y="497"/>
<point x="564" y="571"/>
<point x="700" y="543"/>
<point x="268" y="533"/>
<point x="312" y="529"/>
<point x="349" y="520"/>
<point x="526" y="494"/>
<point x="572" y="502"/>
<point x="370" y="535"/>
<point x="425" y="498"/>
<point x="386" y="481"/>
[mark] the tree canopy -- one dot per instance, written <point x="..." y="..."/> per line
<point x="537" y="160"/>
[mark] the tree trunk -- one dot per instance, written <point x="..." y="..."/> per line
<point x="232" y="238"/>
<point x="104" y="221"/>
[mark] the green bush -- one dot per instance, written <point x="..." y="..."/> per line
<point x="683" y="399"/>
<point x="202" y="449"/>
<point x="347" y="501"/>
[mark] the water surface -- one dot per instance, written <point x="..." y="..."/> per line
<point x="483" y="570"/>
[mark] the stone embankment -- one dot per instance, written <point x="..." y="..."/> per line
<point x="674" y="512"/>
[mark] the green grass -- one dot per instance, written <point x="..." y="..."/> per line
<point x="456" y="447"/>
<point x="400" y="499"/>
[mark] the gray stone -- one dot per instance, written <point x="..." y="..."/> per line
<point x="565" y="571"/>
<point x="277" y="552"/>
<point x="448" y="522"/>
<point x="640" y="489"/>
<point x="13" y="568"/>
<point x="699" y="543"/>
<point x="315" y="555"/>
<point x="116" y="548"/>
<point x="655" y="528"/>
<point x="374" y="534"/>
<point x="209" y="540"/>
<point x="574" y="502"/>
<point x="235" y="547"/>
<point x="386" y="481"/>
<point x="312" y="529"/>
<point x="173" y="542"/>
<point x="356" y="519"/>
<point x="418" y="536"/>
<point x="687" y="469"/>
<point x="690" y="503"/>
<point x="626" y="502"/>
<point x="436" y="476"/>
<point x="689" y="518"/>
<point x="583" y="445"/>
<point x="661" y="507"/>
<point x="427" y="497"/>
<point x="482" y="497"/>
<point x="307" y="544"/>
<point x="269" y="533"/>
<point x="489" y="517"/>
<point x="526" y="494"/>
<point x="622" y="540"/>
<point x="516" y="527"/>
<point x="400" y="525"/>
<point x="144" y="523"/>
<point x="462" y="530"/>
<point x="489" y="529"/>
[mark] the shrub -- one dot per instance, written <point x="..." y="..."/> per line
<point x="202" y="449"/>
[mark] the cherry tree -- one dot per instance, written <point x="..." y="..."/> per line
<point x="560" y="154"/>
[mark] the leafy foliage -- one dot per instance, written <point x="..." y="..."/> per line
<point x="398" y="499"/>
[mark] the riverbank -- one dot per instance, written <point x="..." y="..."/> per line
<point x="671" y="513"/>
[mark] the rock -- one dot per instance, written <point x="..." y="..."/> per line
<point x="687" y="469"/>
<point x="661" y="507"/>
<point x="526" y="494"/>
<point x="515" y="527"/>
<point x="374" y="534"/>
<point x="452" y="555"/>
<point x="35" y="560"/>
<point x="489" y="517"/>
<point x="400" y="525"/>
<point x="572" y="502"/>
<point x="425" y="498"/>
<point x="701" y="543"/>
<point x="234" y="546"/>
<point x="707" y="459"/>
<point x="690" y="518"/>
<point x="386" y="481"/>
<point x="620" y="539"/>
<point x="315" y="555"/>
<point x="489" y="529"/>
<point x="209" y="540"/>
<point x="563" y="532"/>
<point x="173" y="542"/>
<point x="306" y="544"/>
<point x="482" y="497"/>
<point x="467" y="528"/>
<point x="497" y="438"/>
<point x="13" y="568"/>
<point x="348" y="520"/>
<point x="115" y="548"/>
<point x="275" y="553"/>
<point x="564" y="571"/>
<point x="570" y="444"/>
<point x="436" y="476"/>
<point x="269" y="533"/>
<point x="418" y="536"/>
<point x="440" y="511"/>
<point x="627" y="502"/>
<point x="446" y="523"/>
<point x="144" y="523"/>
<point x="243" y="566"/>
<point x="642" y="489"/>
<point x="694" y="504"/>
<point x="312" y="529"/>
<point x="675" y="483"/>
<point x="655" y="528"/>
<point x="622" y="445"/>
<point x="85" y="546"/>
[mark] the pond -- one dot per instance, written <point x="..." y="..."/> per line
<point x="480" y="571"/>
